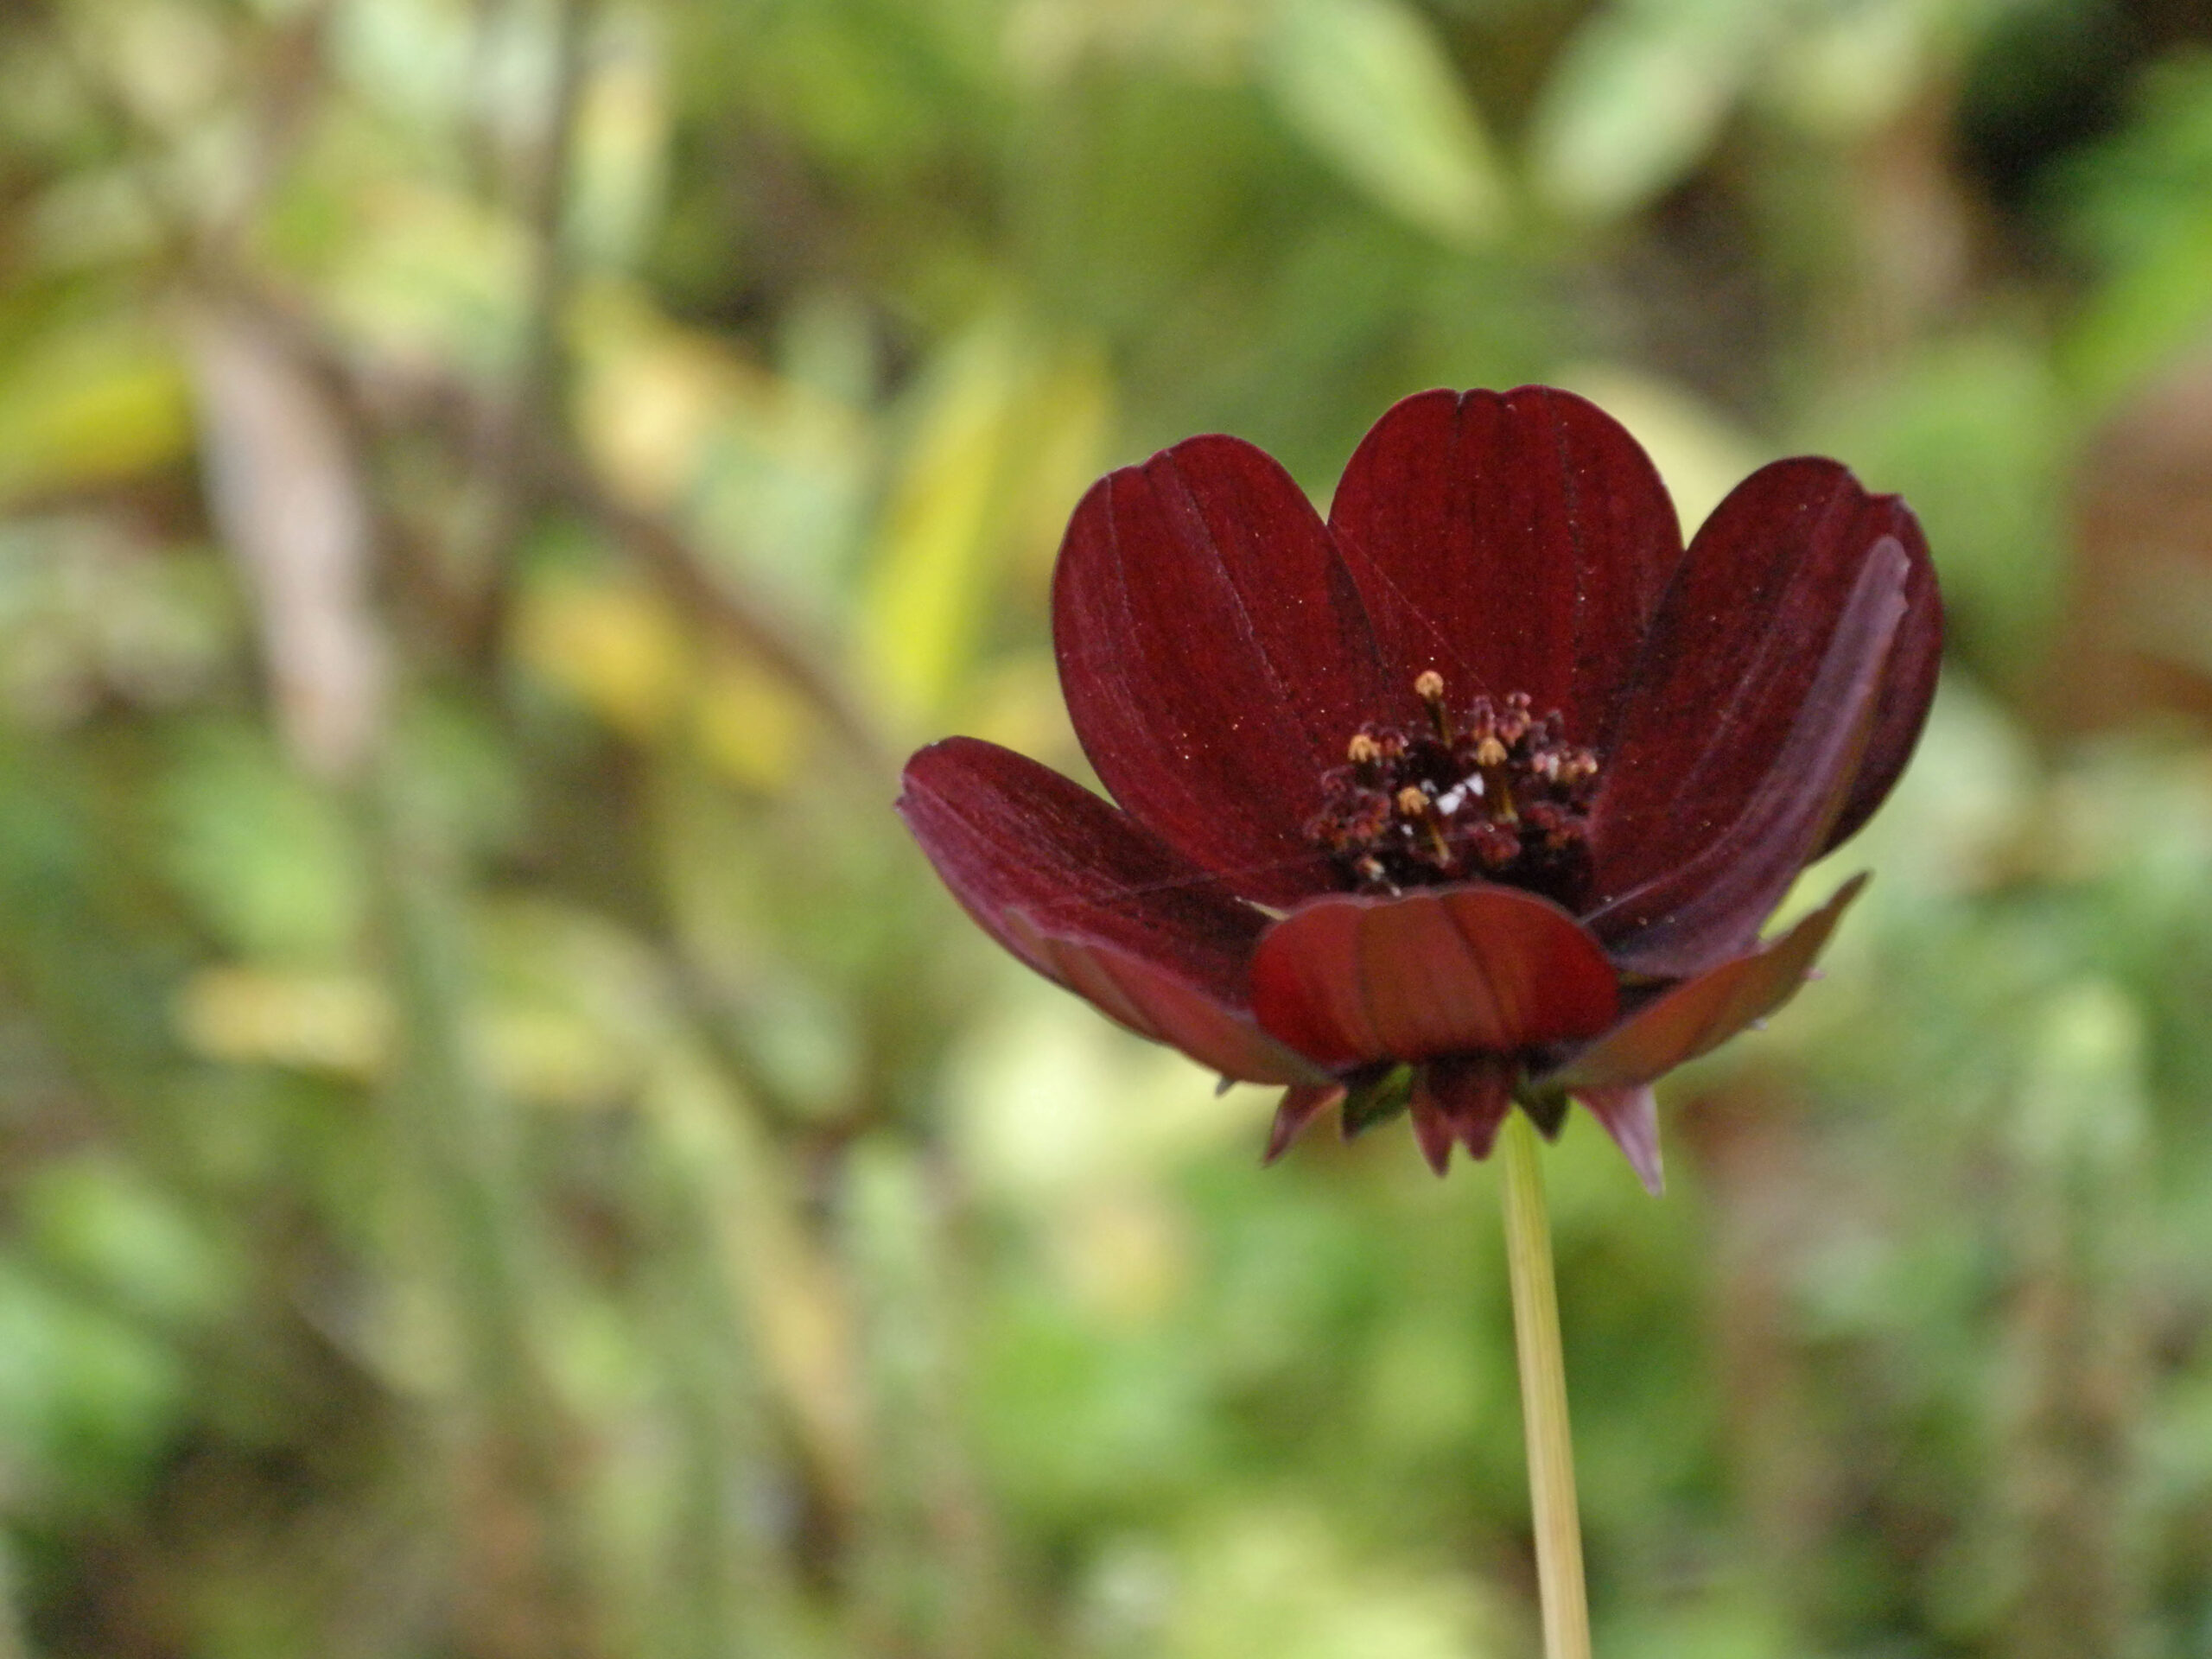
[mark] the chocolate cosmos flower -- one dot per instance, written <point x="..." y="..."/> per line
<point x="1478" y="792"/>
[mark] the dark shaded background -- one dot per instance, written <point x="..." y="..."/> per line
<point x="506" y="1152"/>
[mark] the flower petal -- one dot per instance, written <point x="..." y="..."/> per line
<point x="1300" y="1104"/>
<point x="1095" y="902"/>
<point x="1432" y="1130"/>
<point x="1464" y="1100"/>
<point x="1909" y="682"/>
<point x="1513" y="542"/>
<point x="1718" y="722"/>
<point x="1685" y="916"/>
<point x="1156" y="1002"/>
<point x="1447" y="971"/>
<point x="1703" y="1013"/>
<point x="1630" y="1115"/>
<point x="1215" y="656"/>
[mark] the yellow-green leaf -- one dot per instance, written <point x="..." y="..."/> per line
<point x="1368" y="84"/>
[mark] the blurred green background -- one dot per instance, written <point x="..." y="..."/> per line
<point x="505" y="1149"/>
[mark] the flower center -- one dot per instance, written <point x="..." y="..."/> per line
<point x="1497" y="794"/>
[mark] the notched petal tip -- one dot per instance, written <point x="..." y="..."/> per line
<point x="1515" y="541"/>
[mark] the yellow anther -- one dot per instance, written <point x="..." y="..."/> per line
<point x="1429" y="686"/>
<point x="1490" y="753"/>
<point x="1412" y="803"/>
<point x="1362" y="750"/>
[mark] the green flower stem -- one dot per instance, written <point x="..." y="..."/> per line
<point x="1543" y="1398"/>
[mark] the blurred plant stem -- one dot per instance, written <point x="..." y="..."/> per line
<point x="926" y="1568"/>
<point x="725" y="1586"/>
<point x="504" y="479"/>
<point x="518" y="1515"/>
<point x="1543" y="1397"/>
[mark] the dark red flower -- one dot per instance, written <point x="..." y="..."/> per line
<point x="1478" y="792"/>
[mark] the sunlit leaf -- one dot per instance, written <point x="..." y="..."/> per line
<point x="269" y="862"/>
<point x="1638" y="98"/>
<point x="85" y="1394"/>
<point x="749" y="725"/>
<point x="611" y="643"/>
<point x="1853" y="67"/>
<point x="619" y="154"/>
<point x="89" y="402"/>
<point x="931" y="584"/>
<point x="100" y="1220"/>
<point x="2150" y="313"/>
<point x="770" y="472"/>
<point x="1002" y="443"/>
<point x="1369" y="84"/>
<point x="426" y="275"/>
<point x="328" y="1021"/>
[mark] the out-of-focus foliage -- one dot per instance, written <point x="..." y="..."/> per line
<point x="505" y="1151"/>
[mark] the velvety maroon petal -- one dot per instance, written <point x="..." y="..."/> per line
<point x="1215" y="656"/>
<point x="1300" y="1106"/>
<point x="1701" y="1014"/>
<point x="1156" y="1002"/>
<point x="1736" y="648"/>
<point x="1432" y="1130"/>
<point x="1909" y="682"/>
<point x="1709" y="905"/>
<point x="1447" y="971"/>
<point x="1094" y="901"/>
<point x="1462" y="1100"/>
<point x="1630" y="1115"/>
<point x="1513" y="542"/>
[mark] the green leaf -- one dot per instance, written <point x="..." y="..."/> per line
<point x="104" y="1225"/>
<point x="1638" y="98"/>
<point x="1367" y="83"/>
<point x="266" y="861"/>
<point x="89" y="402"/>
<point x="1002" y="443"/>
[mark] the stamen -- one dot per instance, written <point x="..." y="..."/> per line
<point x="1499" y="796"/>
<point x="1429" y="686"/>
